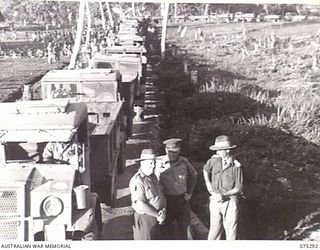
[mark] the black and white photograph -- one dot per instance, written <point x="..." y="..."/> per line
<point x="168" y="121"/>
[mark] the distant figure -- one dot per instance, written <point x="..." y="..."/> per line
<point x="50" y="53"/>
<point x="224" y="187"/>
<point x="56" y="52"/>
<point x="14" y="35"/>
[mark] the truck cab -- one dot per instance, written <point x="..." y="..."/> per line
<point x="125" y="63"/>
<point x="99" y="90"/>
<point x="132" y="68"/>
<point x="38" y="198"/>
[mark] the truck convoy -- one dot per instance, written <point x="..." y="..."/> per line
<point x="88" y="112"/>
<point x="99" y="90"/>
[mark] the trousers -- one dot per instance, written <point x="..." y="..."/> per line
<point x="223" y="216"/>
<point x="146" y="227"/>
<point x="179" y="211"/>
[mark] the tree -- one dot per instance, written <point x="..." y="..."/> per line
<point x="77" y="43"/>
<point x="2" y="19"/>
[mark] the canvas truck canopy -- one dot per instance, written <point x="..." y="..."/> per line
<point x="40" y="121"/>
<point x="128" y="49"/>
<point x="127" y="30"/>
<point x="122" y="62"/>
<point x="130" y="58"/>
<point x="124" y="36"/>
<point x="82" y="84"/>
<point x="129" y="77"/>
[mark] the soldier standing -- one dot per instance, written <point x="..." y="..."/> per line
<point x="50" y="52"/>
<point x="224" y="187"/>
<point x="148" y="199"/>
<point x="178" y="179"/>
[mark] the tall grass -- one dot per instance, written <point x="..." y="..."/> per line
<point x="296" y="111"/>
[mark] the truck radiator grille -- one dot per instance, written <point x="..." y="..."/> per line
<point x="11" y="213"/>
<point x="8" y="201"/>
<point x="9" y="230"/>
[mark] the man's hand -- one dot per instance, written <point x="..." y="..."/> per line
<point x="217" y="197"/>
<point x="187" y="196"/>
<point x="161" y="216"/>
<point x="209" y="187"/>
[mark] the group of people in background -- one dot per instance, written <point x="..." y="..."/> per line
<point x="163" y="186"/>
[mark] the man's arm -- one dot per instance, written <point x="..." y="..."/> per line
<point x="47" y="153"/>
<point x="139" y="202"/>
<point x="192" y="180"/>
<point x="206" y="177"/>
<point x="238" y="182"/>
<point x="143" y="207"/>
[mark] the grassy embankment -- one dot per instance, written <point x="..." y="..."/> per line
<point x="275" y="126"/>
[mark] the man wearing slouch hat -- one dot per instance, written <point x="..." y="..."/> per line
<point x="148" y="200"/>
<point x="224" y="187"/>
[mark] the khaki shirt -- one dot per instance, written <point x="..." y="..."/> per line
<point x="147" y="189"/>
<point x="224" y="179"/>
<point x="174" y="177"/>
<point x="60" y="152"/>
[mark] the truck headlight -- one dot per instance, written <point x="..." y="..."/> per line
<point x="52" y="206"/>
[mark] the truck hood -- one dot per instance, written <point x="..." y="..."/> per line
<point x="44" y="177"/>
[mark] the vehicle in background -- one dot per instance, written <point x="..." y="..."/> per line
<point x="178" y="18"/>
<point x="131" y="68"/>
<point x="225" y="17"/>
<point x="271" y="18"/>
<point x="245" y="17"/>
<point x="298" y="18"/>
<point x="198" y="18"/>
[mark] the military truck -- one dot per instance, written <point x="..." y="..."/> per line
<point x="99" y="90"/>
<point x="38" y="198"/>
<point x="132" y="68"/>
<point x="125" y="63"/>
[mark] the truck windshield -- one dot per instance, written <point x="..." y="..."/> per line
<point x="100" y="90"/>
<point x="23" y="151"/>
<point x="51" y="152"/>
<point x="83" y="90"/>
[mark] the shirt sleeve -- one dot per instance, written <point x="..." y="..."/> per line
<point x="191" y="170"/>
<point x="238" y="178"/>
<point x="137" y="190"/>
<point x="208" y="166"/>
<point x="47" y="152"/>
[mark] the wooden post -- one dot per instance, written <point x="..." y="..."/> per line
<point x="164" y="28"/>
<point x="77" y="42"/>
<point x="103" y="18"/>
<point x="88" y="24"/>
<point x="206" y="8"/>
<point x="175" y="11"/>
<point x="133" y="10"/>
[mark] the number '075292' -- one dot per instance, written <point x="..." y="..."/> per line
<point x="308" y="245"/>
